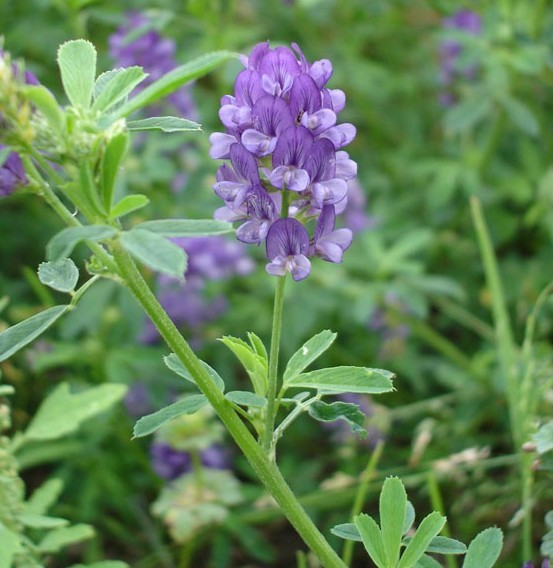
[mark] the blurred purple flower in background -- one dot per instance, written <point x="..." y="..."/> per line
<point x="544" y="564"/>
<point x="451" y="49"/>
<point x="287" y="163"/>
<point x="136" y="42"/>
<point x="392" y="332"/>
<point x="12" y="174"/>
<point x="209" y="258"/>
<point x="170" y="463"/>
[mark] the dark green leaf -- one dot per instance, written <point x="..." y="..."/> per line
<point x="21" y="334"/>
<point x="309" y="351"/>
<point x="152" y="422"/>
<point x="345" y="379"/>
<point x="175" y="364"/>
<point x="186" y="227"/>
<point x="175" y="79"/>
<point x="116" y="87"/>
<point x="77" y="63"/>
<point x="61" y="275"/>
<point x="339" y="411"/>
<point x="156" y="252"/>
<point x="62" y="244"/>
<point x="246" y="398"/>
<point x="164" y="123"/>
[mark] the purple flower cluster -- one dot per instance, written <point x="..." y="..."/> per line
<point x="137" y="43"/>
<point x="544" y="564"/>
<point x="209" y="258"/>
<point x="12" y="174"/>
<point x="450" y="51"/>
<point x="287" y="166"/>
<point x="170" y="463"/>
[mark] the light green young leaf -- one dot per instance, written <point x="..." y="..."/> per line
<point x="350" y="413"/>
<point x="4" y="154"/>
<point x="347" y="531"/>
<point x="446" y="545"/>
<point x="47" y="104"/>
<point x="44" y="497"/>
<point x="430" y="526"/>
<point x="308" y="352"/>
<point x="484" y="549"/>
<point x="173" y="80"/>
<point x="345" y="379"/>
<point x="152" y="422"/>
<point x="186" y="227"/>
<point x="255" y="366"/>
<point x="521" y="116"/>
<point x="128" y="204"/>
<point x="9" y="546"/>
<point x="246" y="398"/>
<point x="77" y="63"/>
<point x="409" y="517"/>
<point x="114" y="153"/>
<point x="466" y="114"/>
<point x="257" y="345"/>
<point x="115" y="87"/>
<point x="174" y="363"/>
<point x="17" y="336"/>
<point x="63" y="412"/>
<point x="60" y="538"/>
<point x="103" y="564"/>
<point x="61" y="275"/>
<point x="427" y="562"/>
<point x="544" y="438"/>
<point x="42" y="521"/>
<point x="165" y="124"/>
<point x="372" y="539"/>
<point x="156" y="252"/>
<point x="393" y="504"/>
<point x="62" y="244"/>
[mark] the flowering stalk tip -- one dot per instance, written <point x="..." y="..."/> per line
<point x="288" y="172"/>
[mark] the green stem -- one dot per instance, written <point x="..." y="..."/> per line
<point x="361" y="495"/>
<point x="266" y="470"/>
<point x="273" y="367"/>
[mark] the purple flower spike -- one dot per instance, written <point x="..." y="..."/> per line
<point x="328" y="243"/>
<point x="287" y="248"/>
<point x="12" y="174"/>
<point x="282" y="120"/>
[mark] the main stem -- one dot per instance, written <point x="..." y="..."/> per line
<point x="266" y="470"/>
<point x="273" y="366"/>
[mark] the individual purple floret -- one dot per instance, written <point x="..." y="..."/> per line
<point x="137" y="43"/>
<point x="288" y="172"/>
<point x="450" y="52"/>
<point x="12" y="174"/>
